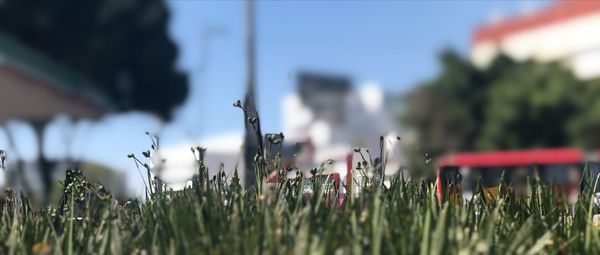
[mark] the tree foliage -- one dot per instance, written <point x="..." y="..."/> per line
<point x="121" y="46"/>
<point x="509" y="105"/>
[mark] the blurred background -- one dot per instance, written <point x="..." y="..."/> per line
<point x="81" y="82"/>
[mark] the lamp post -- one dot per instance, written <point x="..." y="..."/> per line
<point x="253" y="135"/>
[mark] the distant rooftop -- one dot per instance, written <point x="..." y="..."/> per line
<point x="560" y="11"/>
<point x="311" y="83"/>
<point x="22" y="58"/>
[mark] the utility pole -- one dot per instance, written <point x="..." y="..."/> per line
<point x="253" y="135"/>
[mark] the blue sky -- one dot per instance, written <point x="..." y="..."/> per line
<point x="394" y="43"/>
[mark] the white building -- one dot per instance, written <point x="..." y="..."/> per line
<point x="325" y="113"/>
<point x="328" y="113"/>
<point x="567" y="31"/>
<point x="180" y="162"/>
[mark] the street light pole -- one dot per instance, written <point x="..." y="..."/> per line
<point x="253" y="135"/>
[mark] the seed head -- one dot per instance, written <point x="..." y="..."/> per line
<point x="2" y="158"/>
<point x="237" y="104"/>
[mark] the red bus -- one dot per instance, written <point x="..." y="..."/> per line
<point x="565" y="168"/>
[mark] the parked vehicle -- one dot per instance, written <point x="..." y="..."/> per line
<point x="569" y="170"/>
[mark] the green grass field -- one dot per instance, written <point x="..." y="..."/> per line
<point x="218" y="216"/>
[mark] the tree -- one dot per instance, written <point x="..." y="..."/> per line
<point x="122" y="47"/>
<point x="509" y="105"/>
<point x="530" y="106"/>
<point x="442" y="110"/>
<point x="583" y="127"/>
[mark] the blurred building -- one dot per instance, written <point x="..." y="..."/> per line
<point x="34" y="88"/>
<point x="565" y="31"/>
<point x="322" y="120"/>
<point x="222" y="152"/>
<point x="332" y="117"/>
<point x="34" y="91"/>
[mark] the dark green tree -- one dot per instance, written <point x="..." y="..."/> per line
<point x="508" y="105"/>
<point x="445" y="110"/>
<point x="584" y="127"/>
<point x="122" y="46"/>
<point x="530" y="106"/>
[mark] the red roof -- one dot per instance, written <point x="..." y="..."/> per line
<point x="558" y="12"/>
<point x="513" y="158"/>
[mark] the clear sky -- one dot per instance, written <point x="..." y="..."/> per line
<point x="393" y="43"/>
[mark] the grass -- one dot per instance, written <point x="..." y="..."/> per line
<point x="219" y="216"/>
